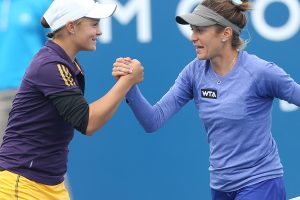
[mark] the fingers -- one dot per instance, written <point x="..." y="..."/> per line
<point x="124" y="60"/>
<point x="117" y="74"/>
<point x="117" y="67"/>
<point x="128" y="68"/>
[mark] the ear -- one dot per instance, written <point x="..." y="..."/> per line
<point x="227" y="34"/>
<point x="70" y="27"/>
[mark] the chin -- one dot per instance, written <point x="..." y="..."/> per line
<point x="92" y="48"/>
<point x="201" y="57"/>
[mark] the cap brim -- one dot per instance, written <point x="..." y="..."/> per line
<point x="194" y="20"/>
<point x="101" y="11"/>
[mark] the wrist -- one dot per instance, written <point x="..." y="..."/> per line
<point x="128" y="81"/>
<point x="127" y="78"/>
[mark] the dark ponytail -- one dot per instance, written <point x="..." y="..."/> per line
<point x="46" y="25"/>
<point x="234" y="13"/>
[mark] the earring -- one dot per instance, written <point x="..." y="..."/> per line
<point x="223" y="40"/>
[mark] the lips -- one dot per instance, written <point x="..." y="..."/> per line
<point x="199" y="47"/>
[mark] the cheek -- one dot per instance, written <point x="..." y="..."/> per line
<point x="86" y="37"/>
<point x="91" y="34"/>
<point x="212" y="41"/>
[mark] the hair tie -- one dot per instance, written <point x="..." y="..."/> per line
<point x="237" y="2"/>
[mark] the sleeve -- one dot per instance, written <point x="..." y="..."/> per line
<point x="53" y="78"/>
<point x="275" y="82"/>
<point x="151" y="117"/>
<point x="73" y="108"/>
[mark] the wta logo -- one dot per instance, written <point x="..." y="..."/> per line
<point x="209" y="93"/>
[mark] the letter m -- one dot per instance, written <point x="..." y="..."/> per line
<point x="124" y="14"/>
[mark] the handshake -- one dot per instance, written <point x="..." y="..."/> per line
<point x="127" y="68"/>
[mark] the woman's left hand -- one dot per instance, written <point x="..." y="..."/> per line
<point x="122" y="67"/>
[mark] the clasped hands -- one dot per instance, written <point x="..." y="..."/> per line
<point x="128" y="68"/>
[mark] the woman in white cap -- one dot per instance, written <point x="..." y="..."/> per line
<point x="233" y="92"/>
<point x="50" y="104"/>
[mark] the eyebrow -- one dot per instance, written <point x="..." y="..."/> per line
<point x="95" y="20"/>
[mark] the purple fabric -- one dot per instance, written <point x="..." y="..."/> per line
<point x="36" y="140"/>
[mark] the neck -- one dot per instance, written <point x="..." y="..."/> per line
<point x="224" y="63"/>
<point x="68" y="47"/>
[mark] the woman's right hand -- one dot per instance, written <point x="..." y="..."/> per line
<point x="130" y="69"/>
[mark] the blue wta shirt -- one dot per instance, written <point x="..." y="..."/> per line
<point x="236" y="110"/>
<point x="35" y="144"/>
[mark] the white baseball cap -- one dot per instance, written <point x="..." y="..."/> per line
<point x="62" y="11"/>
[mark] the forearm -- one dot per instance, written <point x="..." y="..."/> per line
<point x="151" y="117"/>
<point x="142" y="109"/>
<point x="102" y="110"/>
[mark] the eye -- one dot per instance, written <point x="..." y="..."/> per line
<point x="95" y="23"/>
<point x="197" y="29"/>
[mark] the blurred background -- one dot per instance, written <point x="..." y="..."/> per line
<point x="123" y="162"/>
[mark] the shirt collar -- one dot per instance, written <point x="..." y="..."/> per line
<point x="61" y="53"/>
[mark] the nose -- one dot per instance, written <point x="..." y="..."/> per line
<point x="194" y="37"/>
<point x="99" y="32"/>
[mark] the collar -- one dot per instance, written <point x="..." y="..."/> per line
<point x="73" y="65"/>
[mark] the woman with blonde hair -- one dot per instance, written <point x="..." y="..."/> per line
<point x="50" y="104"/>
